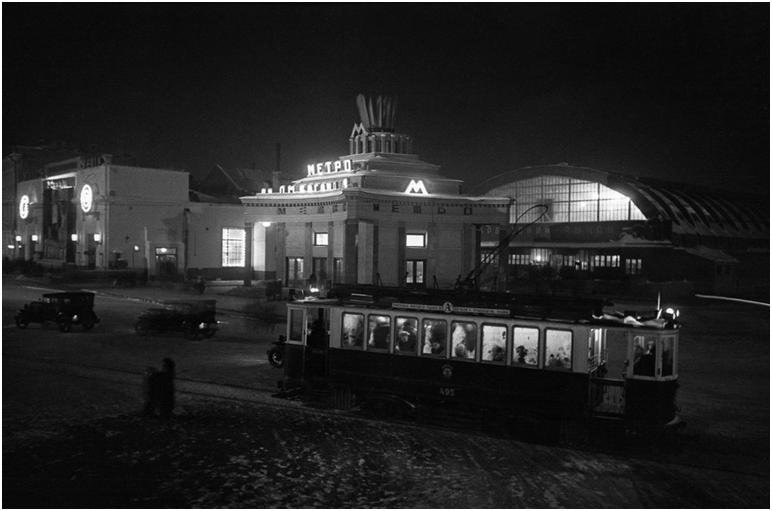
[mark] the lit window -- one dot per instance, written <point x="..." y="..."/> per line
<point x="557" y="349"/>
<point x="644" y="355"/>
<point x="463" y="340"/>
<point x="633" y="266"/>
<point x="526" y="346"/>
<point x="233" y="247"/>
<point x="378" y="330"/>
<point x="321" y="239"/>
<point x="414" y="271"/>
<point x="435" y="337"/>
<point x="494" y="343"/>
<point x="405" y="336"/>
<point x="415" y="240"/>
<point x="353" y="330"/>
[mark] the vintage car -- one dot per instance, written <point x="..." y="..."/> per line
<point x="65" y="309"/>
<point x="194" y="318"/>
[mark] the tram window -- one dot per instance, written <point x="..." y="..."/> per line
<point x="296" y="326"/>
<point x="557" y="349"/>
<point x="644" y="355"/>
<point x="353" y="330"/>
<point x="596" y="348"/>
<point x="526" y="346"/>
<point x="406" y="336"/>
<point x="667" y="356"/>
<point x="435" y="337"/>
<point x="494" y="343"/>
<point x="463" y="339"/>
<point x="378" y="330"/>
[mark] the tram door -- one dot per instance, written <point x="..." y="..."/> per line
<point x="318" y="342"/>
<point x="607" y="383"/>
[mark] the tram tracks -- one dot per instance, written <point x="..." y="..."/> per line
<point x="265" y="397"/>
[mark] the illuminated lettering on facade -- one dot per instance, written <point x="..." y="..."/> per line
<point x="24" y="207"/>
<point x="86" y="198"/>
<point x="329" y="166"/>
<point x="416" y="187"/>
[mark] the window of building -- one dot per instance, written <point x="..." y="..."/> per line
<point x="378" y="332"/>
<point x="525" y="342"/>
<point x="520" y="259"/>
<point x="633" y="266"/>
<point x="319" y="270"/>
<point x="294" y="275"/>
<point x="234" y="247"/>
<point x="414" y="271"/>
<point x="376" y="206"/>
<point x="417" y="210"/>
<point x="405" y="336"/>
<point x="605" y="261"/>
<point x="494" y="343"/>
<point x="321" y="239"/>
<point x="540" y="256"/>
<point x="353" y="333"/>
<point x="558" y="345"/>
<point x="489" y="257"/>
<point x="415" y="240"/>
<point x="435" y="337"/>
<point x="463" y="339"/>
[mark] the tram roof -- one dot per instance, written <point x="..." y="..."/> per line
<point x="486" y="304"/>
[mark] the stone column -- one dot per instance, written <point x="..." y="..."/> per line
<point x="248" y="231"/>
<point x="350" y="252"/>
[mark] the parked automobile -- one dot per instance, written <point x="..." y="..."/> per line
<point x="194" y="318"/>
<point x="65" y="309"/>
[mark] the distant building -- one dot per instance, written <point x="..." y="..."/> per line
<point x="605" y="226"/>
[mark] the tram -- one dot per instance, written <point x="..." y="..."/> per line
<point x="500" y="358"/>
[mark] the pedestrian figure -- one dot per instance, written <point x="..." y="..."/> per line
<point x="148" y="391"/>
<point x="166" y="389"/>
<point x="158" y="390"/>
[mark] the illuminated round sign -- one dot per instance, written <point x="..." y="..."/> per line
<point x="24" y="206"/>
<point x="86" y="198"/>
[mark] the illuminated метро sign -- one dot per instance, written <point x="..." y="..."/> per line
<point x="329" y="166"/>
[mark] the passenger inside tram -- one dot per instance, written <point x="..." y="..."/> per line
<point x="379" y="332"/>
<point x="406" y="335"/>
<point x="494" y="341"/>
<point x="353" y="330"/>
<point x="435" y="335"/>
<point x="644" y="361"/>
<point x="463" y="340"/>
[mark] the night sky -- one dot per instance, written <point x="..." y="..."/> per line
<point x="676" y="91"/>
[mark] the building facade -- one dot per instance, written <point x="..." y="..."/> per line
<point x="607" y="226"/>
<point x="378" y="215"/>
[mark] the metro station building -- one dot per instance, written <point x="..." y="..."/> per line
<point x="378" y="215"/>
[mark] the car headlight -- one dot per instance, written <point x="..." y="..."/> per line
<point x="201" y="326"/>
<point x="75" y="317"/>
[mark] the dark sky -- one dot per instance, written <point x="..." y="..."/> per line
<point x="677" y="91"/>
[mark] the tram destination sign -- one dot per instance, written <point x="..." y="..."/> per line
<point x="449" y="308"/>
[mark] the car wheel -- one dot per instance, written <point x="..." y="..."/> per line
<point x="21" y="322"/>
<point x="65" y="326"/>
<point x="88" y="324"/>
<point x="208" y="332"/>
